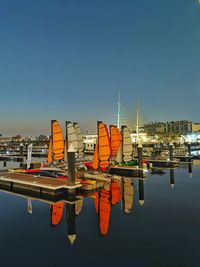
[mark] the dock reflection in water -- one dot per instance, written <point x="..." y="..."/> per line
<point x="161" y="221"/>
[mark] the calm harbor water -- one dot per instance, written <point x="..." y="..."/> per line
<point x="164" y="231"/>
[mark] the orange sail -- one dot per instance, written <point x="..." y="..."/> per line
<point x="115" y="139"/>
<point x="57" y="212"/>
<point x="104" y="211"/>
<point x="57" y="141"/>
<point x="104" y="145"/>
<point x="49" y="157"/>
<point x="95" y="160"/>
<point x="115" y="192"/>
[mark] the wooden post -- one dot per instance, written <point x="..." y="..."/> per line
<point x="71" y="164"/>
<point x="140" y="161"/>
<point x="190" y="160"/>
<point x="4" y="163"/>
<point x="171" y="156"/>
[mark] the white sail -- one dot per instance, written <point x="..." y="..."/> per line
<point x="71" y="136"/>
<point x="79" y="139"/>
<point x="126" y="144"/>
<point x="119" y="154"/>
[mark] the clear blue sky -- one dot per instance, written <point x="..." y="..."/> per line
<point x="68" y="59"/>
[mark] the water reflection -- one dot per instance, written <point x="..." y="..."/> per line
<point x="128" y="194"/>
<point x="141" y="191"/>
<point x="172" y="178"/>
<point x="71" y="221"/>
<point x="120" y="191"/>
<point x="29" y="205"/>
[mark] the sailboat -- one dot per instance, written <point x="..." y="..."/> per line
<point x="102" y="150"/>
<point x="115" y="141"/>
<point x="57" y="146"/>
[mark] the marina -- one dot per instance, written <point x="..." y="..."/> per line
<point x="99" y="133"/>
<point x="137" y="210"/>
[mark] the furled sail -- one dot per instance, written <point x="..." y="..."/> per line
<point x="127" y="147"/>
<point x="57" y="141"/>
<point x="79" y="139"/>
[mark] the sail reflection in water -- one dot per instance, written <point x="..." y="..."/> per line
<point x="128" y="194"/>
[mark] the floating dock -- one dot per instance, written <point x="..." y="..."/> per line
<point x="42" y="185"/>
<point x="127" y="171"/>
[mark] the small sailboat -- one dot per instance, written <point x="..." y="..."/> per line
<point x="101" y="158"/>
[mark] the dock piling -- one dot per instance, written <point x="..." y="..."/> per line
<point x="71" y="164"/>
<point x="140" y="161"/>
<point x="21" y="148"/>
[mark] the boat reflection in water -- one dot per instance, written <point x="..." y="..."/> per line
<point x="111" y="194"/>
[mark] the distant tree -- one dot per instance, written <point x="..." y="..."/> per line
<point x="17" y="137"/>
<point x="42" y="137"/>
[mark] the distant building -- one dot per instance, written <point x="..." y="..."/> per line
<point x="89" y="141"/>
<point x="196" y="127"/>
<point x="169" y="127"/>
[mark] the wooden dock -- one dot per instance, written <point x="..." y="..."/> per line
<point x="42" y="185"/>
<point x="163" y="163"/>
<point x="127" y="171"/>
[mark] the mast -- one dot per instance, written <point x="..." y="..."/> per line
<point x="137" y="119"/>
<point x="118" y="112"/>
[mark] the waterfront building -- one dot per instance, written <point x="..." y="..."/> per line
<point x="89" y="141"/>
<point x="169" y="127"/>
<point x="195" y="127"/>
